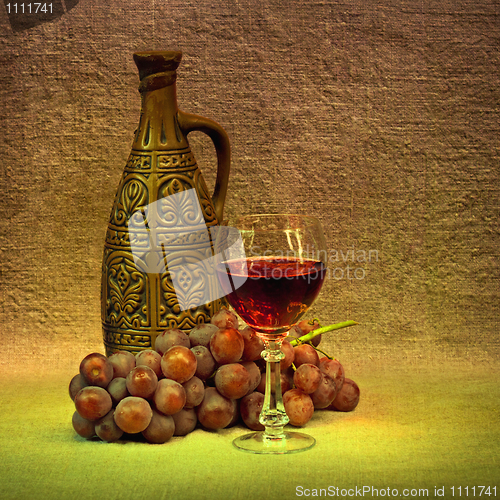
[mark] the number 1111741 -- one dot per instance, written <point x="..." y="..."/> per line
<point x="29" y="8"/>
<point x="473" y="491"/>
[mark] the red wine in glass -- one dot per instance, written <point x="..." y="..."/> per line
<point x="271" y="268"/>
<point x="272" y="293"/>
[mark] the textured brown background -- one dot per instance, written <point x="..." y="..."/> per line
<point x="379" y="116"/>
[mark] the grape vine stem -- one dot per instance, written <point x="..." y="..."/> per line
<point x="323" y="329"/>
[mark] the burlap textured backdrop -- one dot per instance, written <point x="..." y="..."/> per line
<point x="380" y="117"/>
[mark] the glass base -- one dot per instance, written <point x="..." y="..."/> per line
<point x="288" y="442"/>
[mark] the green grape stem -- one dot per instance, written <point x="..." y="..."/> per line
<point x="324" y="329"/>
<point x="323" y="352"/>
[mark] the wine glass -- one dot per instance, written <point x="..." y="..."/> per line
<point x="271" y="268"/>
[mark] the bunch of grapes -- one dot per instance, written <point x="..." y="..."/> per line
<point x="212" y="376"/>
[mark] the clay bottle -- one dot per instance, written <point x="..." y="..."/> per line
<point x="154" y="272"/>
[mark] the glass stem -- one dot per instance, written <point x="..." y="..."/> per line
<point x="273" y="415"/>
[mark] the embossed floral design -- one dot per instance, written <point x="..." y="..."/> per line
<point x="138" y="162"/>
<point x="126" y="286"/>
<point x="182" y="209"/>
<point x="179" y="160"/>
<point x="188" y="284"/>
<point x="133" y="196"/>
<point x="195" y="206"/>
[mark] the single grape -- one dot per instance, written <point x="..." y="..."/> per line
<point x="286" y="382"/>
<point x="201" y="334"/>
<point x="347" y="398"/>
<point x="83" y="427"/>
<point x="142" y="382"/>
<point x="160" y="429"/>
<point x="117" y="389"/>
<point x="261" y="364"/>
<point x="289" y="352"/>
<point x="96" y="369"/>
<point x="255" y="375"/>
<point x="170" y="338"/>
<point x="205" y="362"/>
<point x="93" y="402"/>
<point x="298" y="406"/>
<point x="306" y="326"/>
<point x="236" y="413"/>
<point x="215" y="411"/>
<point x="179" y="364"/>
<point x="307" y="378"/>
<point x="250" y="410"/>
<point x="133" y="414"/>
<point x="226" y="346"/>
<point x="253" y="345"/>
<point x="150" y="358"/>
<point x="334" y="369"/>
<point x="169" y="397"/>
<point x="185" y="421"/>
<point x="232" y="380"/>
<point x="225" y="318"/>
<point x="315" y="341"/>
<point x="295" y="332"/>
<point x="287" y="379"/>
<point x="77" y="383"/>
<point x="123" y="362"/>
<point x="323" y="396"/>
<point x="107" y="429"/>
<point x="305" y="353"/>
<point x="195" y="390"/>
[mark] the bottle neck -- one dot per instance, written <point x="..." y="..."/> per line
<point x="158" y="127"/>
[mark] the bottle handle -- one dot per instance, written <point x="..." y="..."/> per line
<point x="189" y="123"/>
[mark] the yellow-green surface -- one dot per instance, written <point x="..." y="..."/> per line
<point x="418" y="426"/>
